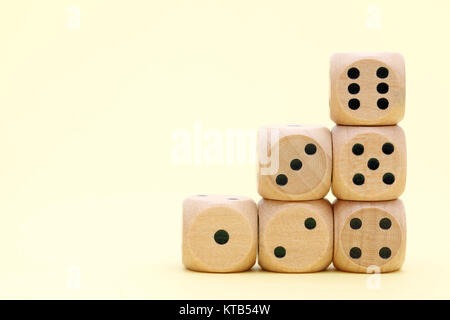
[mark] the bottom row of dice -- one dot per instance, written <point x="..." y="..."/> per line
<point x="220" y="234"/>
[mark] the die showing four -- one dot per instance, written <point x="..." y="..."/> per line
<point x="369" y="236"/>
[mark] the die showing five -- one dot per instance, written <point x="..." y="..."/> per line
<point x="369" y="163"/>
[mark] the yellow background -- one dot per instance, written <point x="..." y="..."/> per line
<point x="90" y="200"/>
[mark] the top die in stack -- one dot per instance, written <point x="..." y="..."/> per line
<point x="367" y="89"/>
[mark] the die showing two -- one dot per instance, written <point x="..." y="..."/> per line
<point x="295" y="236"/>
<point x="297" y="165"/>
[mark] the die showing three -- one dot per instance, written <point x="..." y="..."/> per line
<point x="294" y="162"/>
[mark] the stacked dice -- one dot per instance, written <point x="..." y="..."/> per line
<point x="294" y="175"/>
<point x="363" y="159"/>
<point x="367" y="100"/>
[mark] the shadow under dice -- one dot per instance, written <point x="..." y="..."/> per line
<point x="302" y="164"/>
<point x="219" y="233"/>
<point x="369" y="163"/>
<point x="369" y="236"/>
<point x="295" y="236"/>
<point x="367" y="89"/>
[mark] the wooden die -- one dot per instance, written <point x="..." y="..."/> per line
<point x="295" y="236"/>
<point x="220" y="233"/>
<point x="367" y="88"/>
<point x="369" y="236"/>
<point x="369" y="163"/>
<point x="294" y="162"/>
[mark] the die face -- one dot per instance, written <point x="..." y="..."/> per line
<point x="219" y="233"/>
<point x="220" y="237"/>
<point x="300" y="158"/>
<point x="370" y="237"/>
<point x="302" y="166"/>
<point x="367" y="89"/>
<point x="296" y="238"/>
<point x="368" y="163"/>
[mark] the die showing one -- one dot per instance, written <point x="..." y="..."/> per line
<point x="369" y="236"/>
<point x="220" y="233"/>
<point x="367" y="88"/>
<point x="294" y="162"/>
<point x="295" y="236"/>
<point x="369" y="163"/>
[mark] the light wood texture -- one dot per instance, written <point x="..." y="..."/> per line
<point x="388" y="111"/>
<point x="384" y="173"/>
<point x="310" y="182"/>
<point x="380" y="244"/>
<point x="230" y="219"/>
<point x="302" y="231"/>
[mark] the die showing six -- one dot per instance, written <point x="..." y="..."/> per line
<point x="367" y="89"/>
